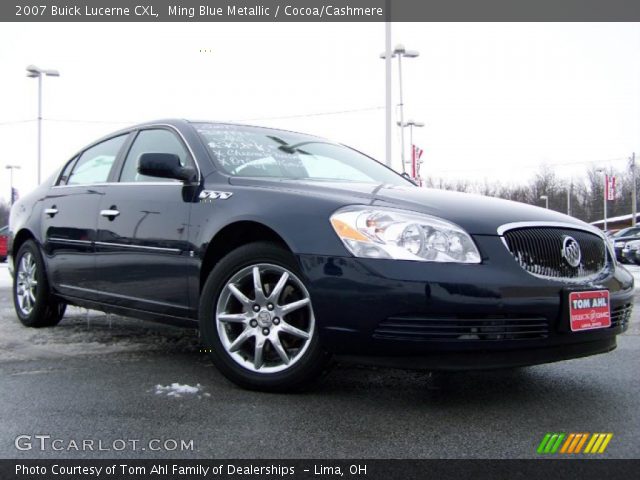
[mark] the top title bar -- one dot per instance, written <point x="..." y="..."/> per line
<point x="319" y="10"/>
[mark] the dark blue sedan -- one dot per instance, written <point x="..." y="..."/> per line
<point x="286" y="249"/>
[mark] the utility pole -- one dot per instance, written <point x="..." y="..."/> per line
<point x="35" y="72"/>
<point x="633" y="190"/>
<point x="11" y="168"/>
<point x="387" y="70"/>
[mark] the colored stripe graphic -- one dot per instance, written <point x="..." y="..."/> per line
<point x="582" y="442"/>
<point x="573" y="443"/>
<point x="598" y="443"/>
<point x="550" y="443"/>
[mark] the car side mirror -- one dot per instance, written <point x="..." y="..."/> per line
<point x="164" y="165"/>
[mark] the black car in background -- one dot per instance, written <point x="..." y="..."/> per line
<point x="631" y="251"/>
<point x="620" y="240"/>
<point x="285" y="249"/>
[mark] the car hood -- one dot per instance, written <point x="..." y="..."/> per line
<point x="477" y="214"/>
<point x="624" y="239"/>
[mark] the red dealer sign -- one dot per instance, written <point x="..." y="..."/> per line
<point x="589" y="310"/>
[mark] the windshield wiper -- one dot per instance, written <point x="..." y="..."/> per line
<point x="285" y="147"/>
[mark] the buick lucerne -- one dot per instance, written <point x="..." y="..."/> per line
<point x="286" y="249"/>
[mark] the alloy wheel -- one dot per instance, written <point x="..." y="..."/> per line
<point x="264" y="318"/>
<point x="26" y="283"/>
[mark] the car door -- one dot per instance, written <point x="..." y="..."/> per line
<point x="143" y="229"/>
<point x="69" y="217"/>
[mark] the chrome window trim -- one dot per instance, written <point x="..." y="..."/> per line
<point x="56" y="178"/>
<point x="609" y="266"/>
<point x="124" y="184"/>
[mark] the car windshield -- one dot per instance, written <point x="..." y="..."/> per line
<point x="261" y="152"/>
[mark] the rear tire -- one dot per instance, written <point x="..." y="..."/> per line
<point x="257" y="323"/>
<point x="34" y="304"/>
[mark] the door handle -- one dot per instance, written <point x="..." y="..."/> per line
<point x="110" y="213"/>
<point x="51" y="211"/>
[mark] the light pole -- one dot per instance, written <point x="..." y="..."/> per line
<point x="35" y="72"/>
<point x="400" y="52"/>
<point x="546" y="201"/>
<point x="411" y="123"/>
<point x="11" y="168"/>
<point x="604" y="195"/>
<point x="634" y="206"/>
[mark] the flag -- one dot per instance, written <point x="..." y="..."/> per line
<point x="416" y="153"/>
<point x="610" y="184"/>
<point x="14" y="195"/>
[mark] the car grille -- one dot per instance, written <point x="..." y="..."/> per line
<point x="454" y="329"/>
<point x="539" y="251"/>
<point x="620" y="316"/>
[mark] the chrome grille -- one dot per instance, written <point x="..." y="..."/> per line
<point x="620" y="316"/>
<point x="457" y="329"/>
<point x="539" y="250"/>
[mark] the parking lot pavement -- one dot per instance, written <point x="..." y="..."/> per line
<point x="105" y="379"/>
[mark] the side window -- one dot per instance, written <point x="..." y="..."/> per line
<point x="94" y="164"/>
<point x="152" y="141"/>
<point x="64" y="175"/>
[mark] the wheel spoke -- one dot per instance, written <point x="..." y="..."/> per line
<point x="291" y="330"/>
<point x="26" y="300"/>
<point x="232" y="317"/>
<point x="277" y="290"/>
<point x="290" y="307"/>
<point x="277" y="345"/>
<point x="257" y="357"/>
<point x="24" y="265"/>
<point x="257" y="286"/>
<point x="241" y="297"/>
<point x="240" y="339"/>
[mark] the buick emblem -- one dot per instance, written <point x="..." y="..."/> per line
<point x="571" y="251"/>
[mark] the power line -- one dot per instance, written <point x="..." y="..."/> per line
<point x="283" y="117"/>
<point x="16" y="122"/>
<point x="316" y="114"/>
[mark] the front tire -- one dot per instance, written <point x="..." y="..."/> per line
<point x="34" y="304"/>
<point x="257" y="322"/>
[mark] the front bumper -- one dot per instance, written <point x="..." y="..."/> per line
<point x="451" y="316"/>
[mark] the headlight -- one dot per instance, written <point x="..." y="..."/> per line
<point x="371" y="232"/>
<point x="619" y="244"/>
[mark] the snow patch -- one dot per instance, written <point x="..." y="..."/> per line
<point x="177" y="390"/>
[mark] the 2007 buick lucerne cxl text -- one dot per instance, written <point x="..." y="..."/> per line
<point x="285" y="249"/>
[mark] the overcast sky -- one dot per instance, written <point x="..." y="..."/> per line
<point x="498" y="99"/>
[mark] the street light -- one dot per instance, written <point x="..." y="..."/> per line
<point x="411" y="123"/>
<point x="400" y="52"/>
<point x="11" y="168"/>
<point x="604" y="195"/>
<point x="35" y="72"/>
<point x="546" y="201"/>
